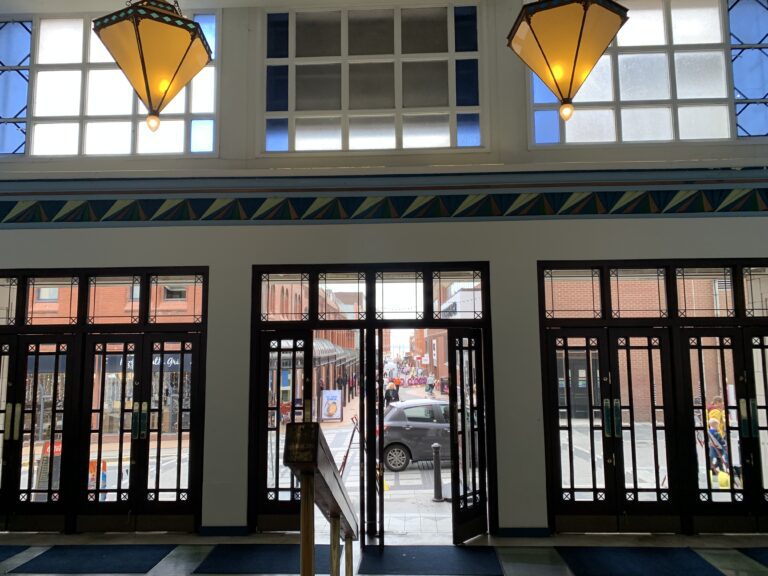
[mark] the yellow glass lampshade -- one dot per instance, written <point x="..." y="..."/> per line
<point x="562" y="40"/>
<point x="157" y="48"/>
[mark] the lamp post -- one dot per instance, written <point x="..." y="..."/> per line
<point x="157" y="48"/>
<point x="562" y="40"/>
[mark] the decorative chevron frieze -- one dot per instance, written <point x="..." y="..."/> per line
<point x="385" y="198"/>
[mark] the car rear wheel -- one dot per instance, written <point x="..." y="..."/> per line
<point x="396" y="457"/>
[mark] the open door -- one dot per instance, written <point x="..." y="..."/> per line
<point x="467" y="414"/>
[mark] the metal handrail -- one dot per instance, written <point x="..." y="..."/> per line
<point x="308" y="456"/>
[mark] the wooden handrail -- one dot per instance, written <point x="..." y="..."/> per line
<point x="308" y="456"/>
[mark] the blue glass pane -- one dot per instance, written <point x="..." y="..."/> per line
<point x="13" y="93"/>
<point x="750" y="73"/>
<point x="201" y="136"/>
<point x="752" y="119"/>
<point x="208" y="24"/>
<point x="467" y="92"/>
<point x="277" y="135"/>
<point x="749" y="21"/>
<point x="277" y="88"/>
<point x="277" y="36"/>
<point x="542" y="94"/>
<point x="13" y="137"/>
<point x="468" y="130"/>
<point x="465" y="26"/>
<point x="15" y="39"/>
<point x="546" y="127"/>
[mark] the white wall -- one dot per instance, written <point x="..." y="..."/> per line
<point x="241" y="105"/>
<point x="512" y="248"/>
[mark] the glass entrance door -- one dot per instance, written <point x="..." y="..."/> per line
<point x="717" y="403"/>
<point x="8" y="432"/>
<point x="613" y="403"/>
<point x="39" y="451"/>
<point x="469" y="497"/>
<point x="140" y="402"/>
<point x="285" y="393"/>
<point x="641" y="400"/>
<point x="756" y="451"/>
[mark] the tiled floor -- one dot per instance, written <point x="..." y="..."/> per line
<point x="530" y="557"/>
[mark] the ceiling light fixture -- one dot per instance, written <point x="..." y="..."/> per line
<point x="157" y="48"/>
<point x="562" y="40"/>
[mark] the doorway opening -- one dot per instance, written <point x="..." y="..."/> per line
<point x="389" y="365"/>
<point x="416" y="419"/>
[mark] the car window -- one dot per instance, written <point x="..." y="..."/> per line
<point x="419" y="414"/>
<point x="446" y="412"/>
<point x="392" y="414"/>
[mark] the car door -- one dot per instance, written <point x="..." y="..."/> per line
<point x="422" y="430"/>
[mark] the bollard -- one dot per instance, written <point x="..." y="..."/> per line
<point x="438" y="496"/>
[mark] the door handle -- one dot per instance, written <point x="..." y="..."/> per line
<point x="743" y="418"/>
<point x="7" y="424"/>
<point x="135" y="420"/>
<point x="617" y="418"/>
<point x="144" y="419"/>
<point x="607" y="417"/>
<point x="753" y="416"/>
<point x="17" y="422"/>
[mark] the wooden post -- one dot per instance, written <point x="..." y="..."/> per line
<point x="348" y="568"/>
<point x="335" y="548"/>
<point x="307" y="561"/>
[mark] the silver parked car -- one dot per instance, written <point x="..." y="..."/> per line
<point x="410" y="429"/>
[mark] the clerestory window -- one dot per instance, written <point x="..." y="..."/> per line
<point x="373" y="79"/>
<point x="61" y="94"/>
<point x="672" y="74"/>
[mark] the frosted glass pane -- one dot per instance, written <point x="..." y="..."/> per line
<point x="371" y="32"/>
<point x="425" y="84"/>
<point x="201" y="136"/>
<point x="646" y="25"/>
<point x="426" y="131"/>
<point x="204" y="90"/>
<point x="318" y="34"/>
<point x="108" y="138"/>
<point x="424" y="30"/>
<point x="57" y="93"/>
<point x="599" y="84"/>
<point x="55" y="139"/>
<point x="169" y="138"/>
<point x="703" y="122"/>
<point x="372" y="133"/>
<point x="61" y="42"/>
<point x="643" y="77"/>
<point x="643" y="124"/>
<point x="318" y="87"/>
<point x="372" y="86"/>
<point x="700" y="74"/>
<point x="591" y="126"/>
<point x="177" y="106"/>
<point x="97" y="51"/>
<point x="696" y="21"/>
<point x="109" y="92"/>
<point x="318" y="134"/>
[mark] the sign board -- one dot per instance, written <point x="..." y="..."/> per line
<point x="331" y="407"/>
